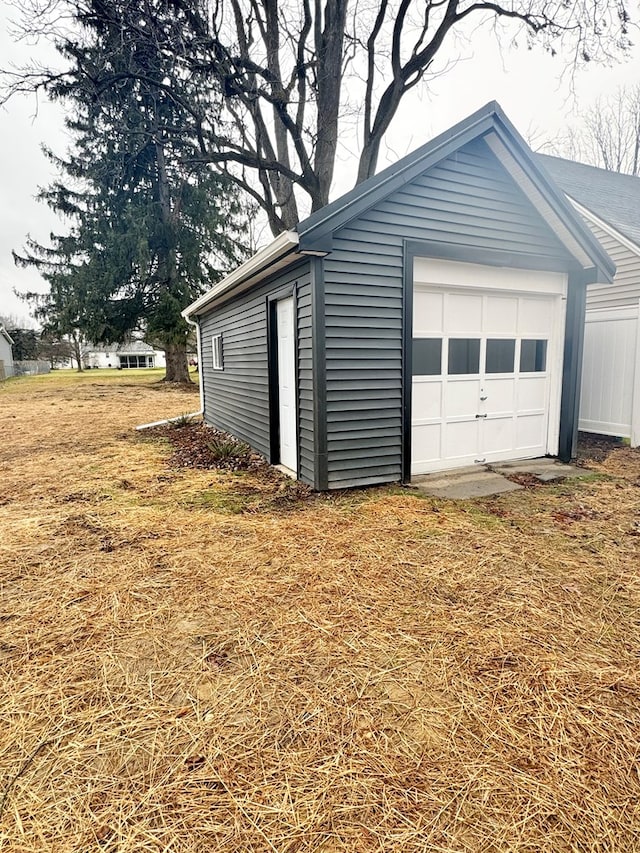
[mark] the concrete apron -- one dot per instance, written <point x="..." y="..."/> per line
<point x="481" y="481"/>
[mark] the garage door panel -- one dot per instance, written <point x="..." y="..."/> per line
<point x="498" y="435"/>
<point x="462" y="398"/>
<point x="501" y="315"/>
<point x="462" y="313"/>
<point x="500" y="394"/>
<point x="428" y="313"/>
<point x="535" y="317"/>
<point x="426" y="444"/>
<point x="461" y="439"/>
<point x="531" y="433"/>
<point x="532" y="393"/>
<point x="427" y="400"/>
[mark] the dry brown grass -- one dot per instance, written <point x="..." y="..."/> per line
<point x="185" y="667"/>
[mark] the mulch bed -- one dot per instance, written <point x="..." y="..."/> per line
<point x="196" y="445"/>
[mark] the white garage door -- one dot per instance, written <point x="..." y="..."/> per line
<point x="486" y="365"/>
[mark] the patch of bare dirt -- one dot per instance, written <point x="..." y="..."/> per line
<point x="609" y="455"/>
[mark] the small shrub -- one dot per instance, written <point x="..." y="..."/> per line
<point x="224" y="448"/>
<point x="182" y="421"/>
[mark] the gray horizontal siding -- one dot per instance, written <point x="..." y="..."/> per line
<point x="236" y="399"/>
<point x="467" y="201"/>
<point x="305" y="380"/>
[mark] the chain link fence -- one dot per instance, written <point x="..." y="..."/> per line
<point x="31" y="368"/>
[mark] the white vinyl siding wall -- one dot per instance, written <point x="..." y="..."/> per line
<point x="610" y="398"/>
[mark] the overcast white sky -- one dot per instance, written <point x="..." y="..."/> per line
<point x="529" y="85"/>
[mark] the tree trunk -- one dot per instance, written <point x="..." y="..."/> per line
<point x="77" y="349"/>
<point x="177" y="366"/>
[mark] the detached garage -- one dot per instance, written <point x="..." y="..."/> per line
<point x="431" y="318"/>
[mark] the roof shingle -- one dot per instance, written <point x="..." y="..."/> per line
<point x="611" y="196"/>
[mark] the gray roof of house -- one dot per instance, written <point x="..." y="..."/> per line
<point x="611" y="196"/>
<point x="131" y="347"/>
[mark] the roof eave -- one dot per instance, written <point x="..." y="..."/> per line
<point x="7" y="336"/>
<point x="489" y="122"/>
<point x="601" y="263"/>
<point x="279" y="253"/>
<point x="610" y="229"/>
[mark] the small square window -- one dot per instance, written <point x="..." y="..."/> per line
<point x="464" y="356"/>
<point x="533" y="356"/>
<point x="427" y="357"/>
<point x="500" y="356"/>
<point x="218" y="362"/>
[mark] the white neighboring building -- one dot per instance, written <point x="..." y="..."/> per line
<point x="135" y="354"/>
<point x="609" y="203"/>
<point x="6" y="354"/>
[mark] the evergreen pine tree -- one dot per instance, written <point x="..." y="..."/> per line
<point x="150" y="228"/>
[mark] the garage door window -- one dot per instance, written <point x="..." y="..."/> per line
<point x="427" y="357"/>
<point x="500" y="356"/>
<point x="533" y="356"/>
<point x="464" y="356"/>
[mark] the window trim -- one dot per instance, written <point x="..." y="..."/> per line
<point x="217" y="351"/>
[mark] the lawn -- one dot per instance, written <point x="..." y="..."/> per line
<point x="209" y="660"/>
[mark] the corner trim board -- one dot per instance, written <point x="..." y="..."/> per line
<point x="318" y="354"/>
<point x="572" y="365"/>
<point x="411" y="249"/>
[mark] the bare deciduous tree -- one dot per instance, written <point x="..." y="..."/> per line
<point x="608" y="134"/>
<point x="289" y="72"/>
<point x="612" y="132"/>
<point x="286" y="74"/>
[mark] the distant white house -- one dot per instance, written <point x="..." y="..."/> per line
<point x="134" y="354"/>
<point x="6" y="354"/>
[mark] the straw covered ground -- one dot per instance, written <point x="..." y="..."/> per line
<point x="217" y="660"/>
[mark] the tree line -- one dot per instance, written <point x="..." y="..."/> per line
<point x="32" y="345"/>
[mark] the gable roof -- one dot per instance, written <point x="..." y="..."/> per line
<point x="313" y="235"/>
<point x="611" y="196"/>
<point x="6" y="335"/>
<point x="491" y="123"/>
<point x="128" y="348"/>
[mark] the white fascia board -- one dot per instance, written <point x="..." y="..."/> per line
<point x="608" y="229"/>
<point x="537" y="199"/>
<point x="261" y="261"/>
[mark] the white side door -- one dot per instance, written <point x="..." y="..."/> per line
<point x="287" y="384"/>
